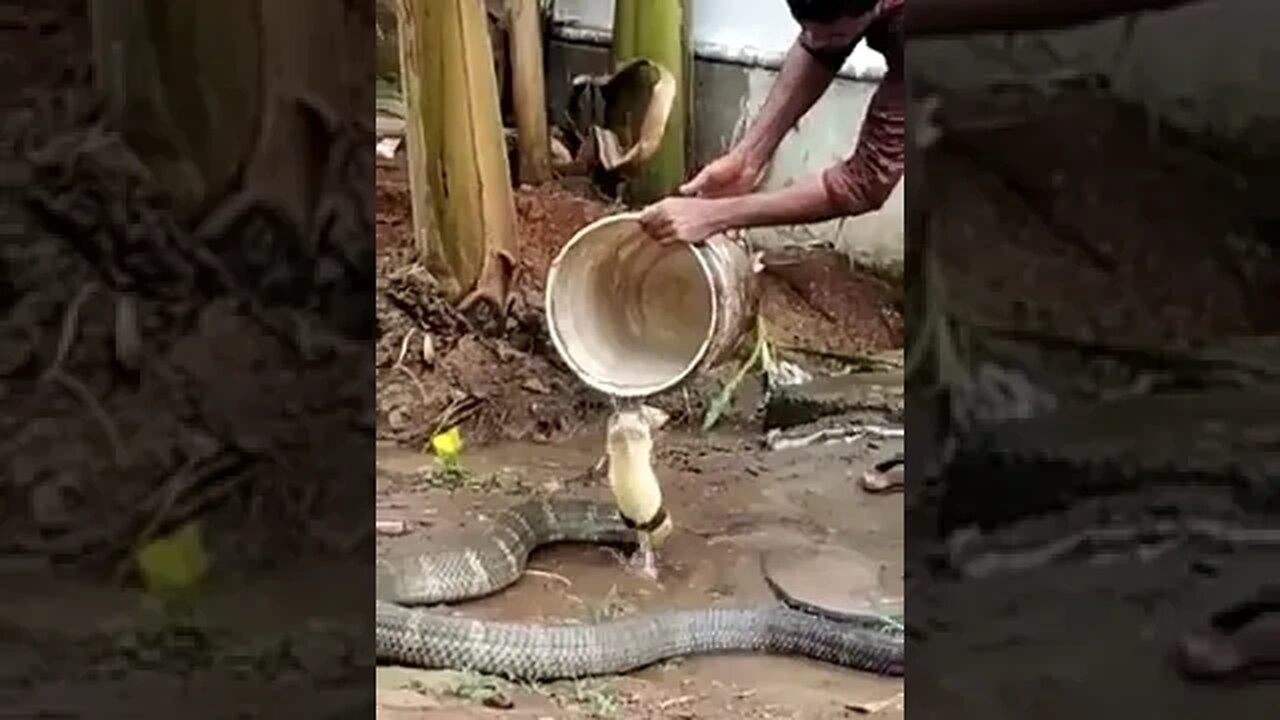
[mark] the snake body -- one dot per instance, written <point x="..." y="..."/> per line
<point x="489" y="560"/>
<point x="1131" y="476"/>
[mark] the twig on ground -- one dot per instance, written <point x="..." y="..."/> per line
<point x="550" y="575"/>
<point x="169" y="492"/>
<point x="672" y="702"/>
<point x="128" y="335"/>
<point x="422" y="389"/>
<point x="456" y="412"/>
<point x="70" y="325"/>
<point x="871" y="708"/>
<point x="119" y="452"/>
<point x="404" y="347"/>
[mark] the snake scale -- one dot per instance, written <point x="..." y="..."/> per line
<point x="484" y="562"/>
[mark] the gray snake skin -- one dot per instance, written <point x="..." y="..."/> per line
<point x="488" y="561"/>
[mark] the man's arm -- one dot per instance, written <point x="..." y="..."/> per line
<point x="801" y="81"/>
<point x="964" y="17"/>
<point x="856" y="186"/>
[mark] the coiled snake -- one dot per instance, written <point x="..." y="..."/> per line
<point x="488" y="561"/>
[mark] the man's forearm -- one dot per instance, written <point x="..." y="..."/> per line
<point x="963" y="17"/>
<point x="800" y="83"/>
<point x="804" y="202"/>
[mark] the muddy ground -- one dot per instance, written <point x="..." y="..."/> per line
<point x="732" y="502"/>
<point x="532" y="428"/>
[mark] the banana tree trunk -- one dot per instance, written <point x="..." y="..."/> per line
<point x="186" y="83"/>
<point x="659" y="30"/>
<point x="528" y="91"/>
<point x="221" y="97"/>
<point x="426" y="238"/>
<point x="457" y="148"/>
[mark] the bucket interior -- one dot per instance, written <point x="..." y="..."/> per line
<point x="631" y="316"/>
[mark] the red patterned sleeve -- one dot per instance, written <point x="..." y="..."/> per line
<point x="864" y="181"/>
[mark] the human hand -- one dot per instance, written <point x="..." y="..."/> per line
<point x="678" y="219"/>
<point x="726" y="176"/>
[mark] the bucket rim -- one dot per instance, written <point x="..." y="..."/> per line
<point x="601" y="384"/>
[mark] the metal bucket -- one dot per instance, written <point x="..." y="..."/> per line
<point x="632" y="317"/>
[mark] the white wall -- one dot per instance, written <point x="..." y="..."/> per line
<point x="728" y="96"/>
<point x="763" y="26"/>
<point x="1205" y="66"/>
<point x="824" y="137"/>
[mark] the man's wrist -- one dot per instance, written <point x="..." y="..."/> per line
<point x="754" y="153"/>
<point x="724" y="214"/>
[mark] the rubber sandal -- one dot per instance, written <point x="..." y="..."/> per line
<point x="886" y="476"/>
<point x="1242" y="642"/>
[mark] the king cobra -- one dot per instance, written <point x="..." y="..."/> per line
<point x="485" y="562"/>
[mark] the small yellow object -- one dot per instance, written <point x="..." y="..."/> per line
<point x="175" y="562"/>
<point x="448" y="444"/>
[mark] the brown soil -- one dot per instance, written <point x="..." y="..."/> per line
<point x="395" y="208"/>
<point x="148" y="378"/>
<point x="814" y="300"/>
<point x="549" y="215"/>
<point x="503" y="380"/>
<point x="1162" y="241"/>
<point x="169" y="375"/>
<point x="438" y="367"/>
<point x="733" y="503"/>
<point x="42" y="48"/>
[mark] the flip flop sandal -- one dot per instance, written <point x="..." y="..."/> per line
<point x="886" y="476"/>
<point x="1242" y="642"/>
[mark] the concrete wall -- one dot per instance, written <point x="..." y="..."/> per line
<point x="727" y="96"/>
<point x="763" y="28"/>
<point x="1204" y="66"/>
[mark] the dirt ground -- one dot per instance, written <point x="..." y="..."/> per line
<point x="152" y="373"/>
<point x="732" y="502"/>
<point x="531" y="427"/>
<point x="150" y="377"/>
<point x="438" y="368"/>
<point x="1168" y="235"/>
<point x="1010" y="636"/>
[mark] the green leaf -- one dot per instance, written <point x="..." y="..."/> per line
<point x="724" y="398"/>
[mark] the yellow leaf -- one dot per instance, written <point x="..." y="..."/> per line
<point x="448" y="444"/>
<point x="174" y="563"/>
